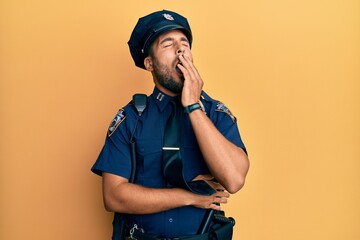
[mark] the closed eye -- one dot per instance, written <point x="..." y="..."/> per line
<point x="167" y="42"/>
<point x="185" y="42"/>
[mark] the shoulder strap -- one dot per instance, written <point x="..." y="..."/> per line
<point x="119" y="226"/>
<point x="139" y="101"/>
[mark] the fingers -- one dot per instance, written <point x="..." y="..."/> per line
<point x="211" y="202"/>
<point x="188" y="74"/>
<point x="221" y="195"/>
<point x="188" y="68"/>
<point x="193" y="83"/>
<point x="219" y="198"/>
<point x="215" y="207"/>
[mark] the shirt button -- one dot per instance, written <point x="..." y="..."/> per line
<point x="170" y="220"/>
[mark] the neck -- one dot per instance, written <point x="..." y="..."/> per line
<point x="166" y="91"/>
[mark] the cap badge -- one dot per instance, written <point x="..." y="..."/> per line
<point x="168" y="17"/>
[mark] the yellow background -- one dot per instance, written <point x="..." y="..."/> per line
<point x="289" y="70"/>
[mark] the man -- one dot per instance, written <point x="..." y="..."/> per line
<point x="168" y="198"/>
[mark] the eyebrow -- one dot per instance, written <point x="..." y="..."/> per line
<point x="183" y="39"/>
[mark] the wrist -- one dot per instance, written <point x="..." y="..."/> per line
<point x="184" y="197"/>
<point x="192" y="107"/>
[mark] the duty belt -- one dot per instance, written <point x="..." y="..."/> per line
<point x="221" y="230"/>
<point x="139" y="235"/>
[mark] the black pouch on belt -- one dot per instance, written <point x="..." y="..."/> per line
<point x="222" y="228"/>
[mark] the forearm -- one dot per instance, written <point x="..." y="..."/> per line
<point x="134" y="199"/>
<point x="227" y="162"/>
<point x="121" y="196"/>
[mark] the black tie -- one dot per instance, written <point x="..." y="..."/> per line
<point x="172" y="161"/>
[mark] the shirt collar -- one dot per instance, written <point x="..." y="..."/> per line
<point x="161" y="99"/>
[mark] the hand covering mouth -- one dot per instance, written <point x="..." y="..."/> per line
<point x="178" y="69"/>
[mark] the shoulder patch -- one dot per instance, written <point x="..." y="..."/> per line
<point x="220" y="107"/>
<point x="119" y="117"/>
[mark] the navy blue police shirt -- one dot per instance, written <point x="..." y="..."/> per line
<point x="115" y="157"/>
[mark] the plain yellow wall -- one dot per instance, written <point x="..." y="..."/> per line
<point x="289" y="71"/>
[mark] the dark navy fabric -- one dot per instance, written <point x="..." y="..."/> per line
<point x="115" y="158"/>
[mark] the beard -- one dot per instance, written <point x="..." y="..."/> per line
<point x="163" y="74"/>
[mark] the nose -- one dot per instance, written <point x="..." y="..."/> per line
<point x="180" y="50"/>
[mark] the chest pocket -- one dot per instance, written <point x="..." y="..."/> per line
<point x="149" y="162"/>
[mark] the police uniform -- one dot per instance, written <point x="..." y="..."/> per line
<point x="115" y="157"/>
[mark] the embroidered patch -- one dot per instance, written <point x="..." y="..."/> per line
<point x="119" y="117"/>
<point x="220" y="107"/>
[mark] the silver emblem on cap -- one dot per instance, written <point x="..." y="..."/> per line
<point x="168" y="17"/>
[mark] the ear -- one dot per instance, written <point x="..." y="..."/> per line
<point x="148" y="64"/>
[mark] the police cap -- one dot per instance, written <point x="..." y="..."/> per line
<point x="149" y="27"/>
